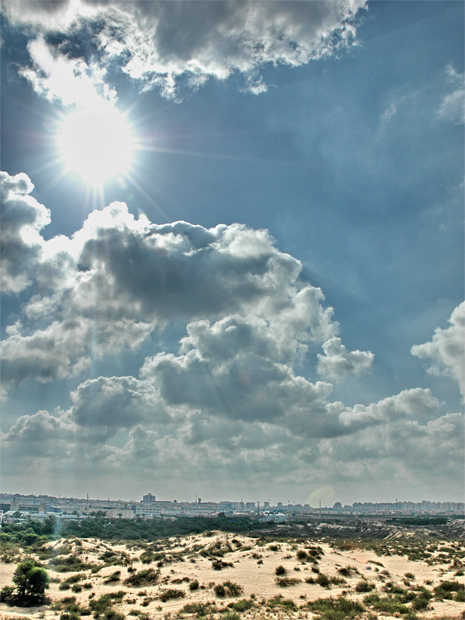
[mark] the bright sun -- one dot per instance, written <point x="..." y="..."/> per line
<point x="96" y="143"/>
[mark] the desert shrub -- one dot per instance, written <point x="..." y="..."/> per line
<point x="243" y="605"/>
<point x="364" y="586"/>
<point x="146" y="577"/>
<point x="227" y="588"/>
<point x="113" y="577"/>
<point x="70" y="564"/>
<point x="323" y="580"/>
<point x="76" y="587"/>
<point x="279" y="601"/>
<point x="302" y="555"/>
<point x="420" y="602"/>
<point x="102" y="606"/>
<point x="200" y="609"/>
<point x="446" y="589"/>
<point x="194" y="585"/>
<point x="460" y="596"/>
<point x="389" y="604"/>
<point x="274" y="547"/>
<point x="285" y="582"/>
<point x="171" y="593"/>
<point x="220" y="564"/>
<point x="219" y="590"/>
<point x="336" y="608"/>
<point x="280" y="570"/>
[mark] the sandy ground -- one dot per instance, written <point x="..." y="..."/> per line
<point x="253" y="569"/>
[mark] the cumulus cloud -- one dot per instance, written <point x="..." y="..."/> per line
<point x="337" y="361"/>
<point x="116" y="402"/>
<point x="226" y="394"/>
<point x="446" y="350"/>
<point x="230" y="284"/>
<point x="158" y="42"/>
<point x="452" y="107"/>
<point x="413" y="402"/>
<point x="70" y="81"/>
<point x="22" y="219"/>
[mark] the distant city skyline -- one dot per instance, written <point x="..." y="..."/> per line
<point x="149" y="498"/>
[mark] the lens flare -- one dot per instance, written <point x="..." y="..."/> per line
<point x="96" y="143"/>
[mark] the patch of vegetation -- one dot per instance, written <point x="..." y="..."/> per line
<point x="220" y="564"/>
<point x="148" y="577"/>
<point x="285" y="582"/>
<point x="348" y="571"/>
<point x="227" y="588"/>
<point x="200" y="609"/>
<point x="69" y="581"/>
<point x="243" y="605"/>
<point x="70" y="564"/>
<point x="279" y="601"/>
<point x="389" y="604"/>
<point x="364" y="586"/>
<point x="30" y="581"/>
<point x="446" y="589"/>
<point x="194" y="585"/>
<point x="171" y="593"/>
<point x="113" y="577"/>
<point x="336" y="608"/>
<point x="280" y="570"/>
<point x="102" y="606"/>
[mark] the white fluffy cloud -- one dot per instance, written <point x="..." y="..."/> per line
<point x="446" y="351"/>
<point x="225" y="397"/>
<point x="70" y="81"/>
<point x="21" y="244"/>
<point x="229" y="283"/>
<point x="156" y="42"/>
<point x="338" y="362"/>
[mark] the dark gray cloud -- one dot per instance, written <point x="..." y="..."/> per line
<point x="116" y="402"/>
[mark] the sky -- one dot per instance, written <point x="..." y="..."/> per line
<point x="232" y="249"/>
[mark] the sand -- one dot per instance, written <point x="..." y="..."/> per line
<point x="253" y="565"/>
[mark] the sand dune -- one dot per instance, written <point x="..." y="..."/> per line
<point x="229" y="568"/>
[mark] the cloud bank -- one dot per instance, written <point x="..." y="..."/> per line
<point x="225" y="399"/>
<point x="157" y="42"/>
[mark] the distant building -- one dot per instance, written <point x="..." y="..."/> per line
<point x="149" y="498"/>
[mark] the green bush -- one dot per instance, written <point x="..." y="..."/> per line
<point x="194" y="585"/>
<point x="243" y="605"/>
<point x="30" y="581"/>
<point x="280" y="570"/>
<point x="336" y="609"/>
<point x="364" y="586"/>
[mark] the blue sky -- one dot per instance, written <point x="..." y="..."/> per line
<point x="301" y="332"/>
